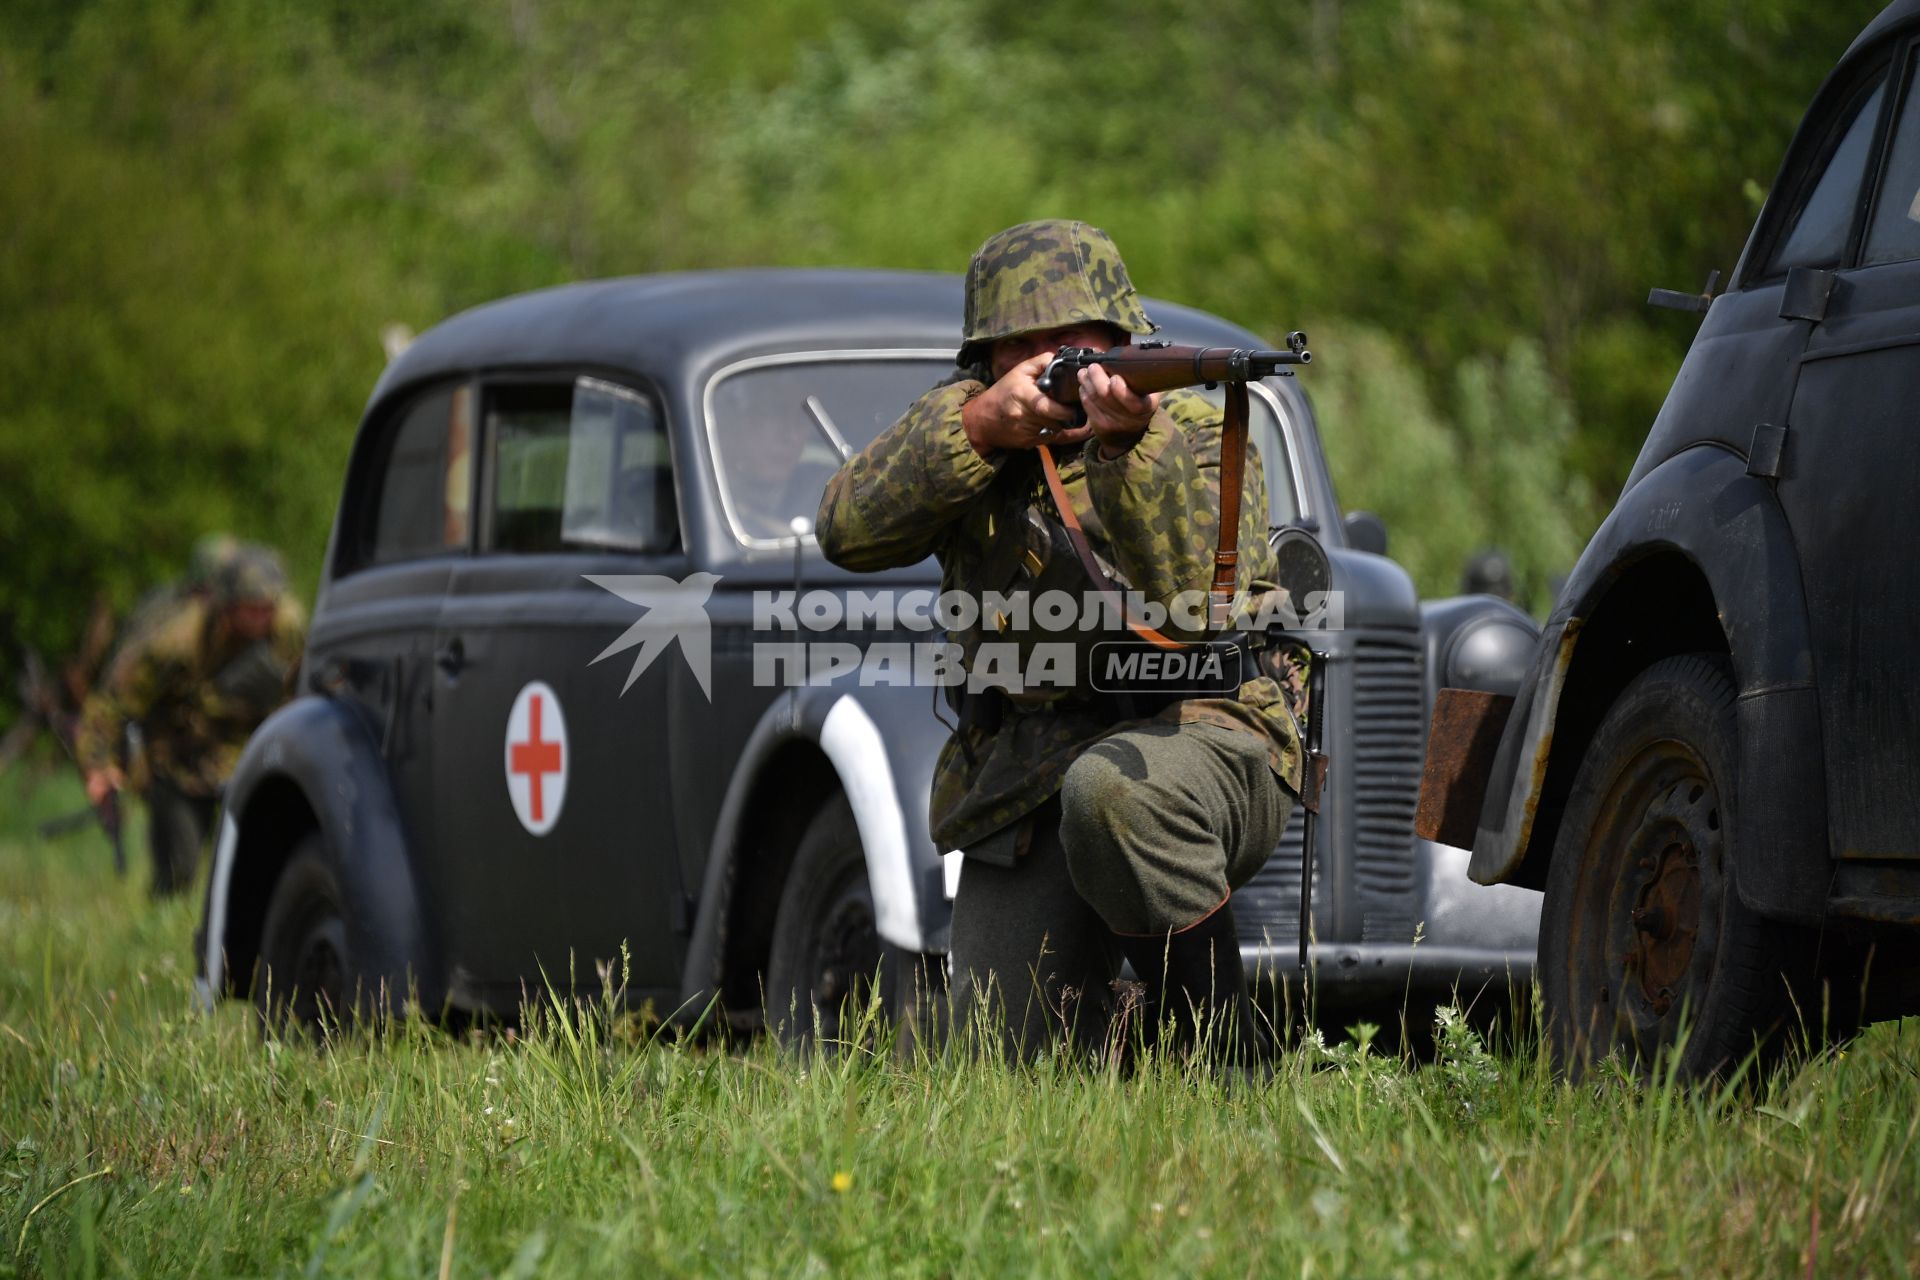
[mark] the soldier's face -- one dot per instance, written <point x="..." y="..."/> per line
<point x="1008" y="352"/>
<point x="250" y="620"/>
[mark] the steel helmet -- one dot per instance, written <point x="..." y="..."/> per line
<point x="253" y="575"/>
<point x="1046" y="275"/>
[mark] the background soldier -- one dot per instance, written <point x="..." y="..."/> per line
<point x="197" y="671"/>
<point x="1087" y="833"/>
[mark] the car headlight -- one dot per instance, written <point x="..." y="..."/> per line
<point x="1491" y="654"/>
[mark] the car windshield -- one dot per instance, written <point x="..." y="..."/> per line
<point x="780" y="426"/>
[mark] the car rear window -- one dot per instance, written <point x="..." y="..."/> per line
<point x="423" y="501"/>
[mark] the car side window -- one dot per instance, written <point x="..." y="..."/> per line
<point x="578" y="465"/>
<point x="1894" y="233"/>
<point x="1824" y="219"/>
<point x="424" y="503"/>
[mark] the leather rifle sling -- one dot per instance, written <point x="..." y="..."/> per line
<point x="1233" y="465"/>
<point x="1233" y="456"/>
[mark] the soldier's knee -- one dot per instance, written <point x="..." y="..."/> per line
<point x="1095" y="796"/>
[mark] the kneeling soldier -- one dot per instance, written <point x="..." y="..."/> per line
<point x="1094" y="825"/>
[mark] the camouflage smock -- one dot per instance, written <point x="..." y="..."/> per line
<point x="921" y="488"/>
<point x="196" y="693"/>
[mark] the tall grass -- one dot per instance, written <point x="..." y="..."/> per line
<point x="141" y="1137"/>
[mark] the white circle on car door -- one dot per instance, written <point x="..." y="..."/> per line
<point x="537" y="757"/>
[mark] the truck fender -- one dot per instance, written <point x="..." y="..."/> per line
<point x="326" y="750"/>
<point x="1701" y="508"/>
<point x="882" y="744"/>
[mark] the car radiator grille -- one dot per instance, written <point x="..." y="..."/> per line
<point x="1383" y="761"/>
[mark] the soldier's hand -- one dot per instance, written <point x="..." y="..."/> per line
<point x="1014" y="413"/>
<point x="1115" y="412"/>
<point x="102" y="783"/>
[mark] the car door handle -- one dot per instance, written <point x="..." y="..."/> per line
<point x="452" y="656"/>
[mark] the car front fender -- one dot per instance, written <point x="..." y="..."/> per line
<point x="1701" y="508"/>
<point x="882" y="743"/>
<point x="326" y="752"/>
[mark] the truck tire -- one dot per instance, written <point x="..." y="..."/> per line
<point x="1645" y="946"/>
<point x="827" y="952"/>
<point x="303" y="982"/>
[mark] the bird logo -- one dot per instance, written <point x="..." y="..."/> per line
<point x="676" y="609"/>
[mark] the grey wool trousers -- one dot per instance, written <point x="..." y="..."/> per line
<point x="1153" y="828"/>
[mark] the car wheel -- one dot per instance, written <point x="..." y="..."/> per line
<point x="303" y="979"/>
<point x="1645" y="946"/>
<point x="827" y="950"/>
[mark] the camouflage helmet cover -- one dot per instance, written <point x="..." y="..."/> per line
<point x="211" y="553"/>
<point x="253" y="575"/>
<point x="1046" y="275"/>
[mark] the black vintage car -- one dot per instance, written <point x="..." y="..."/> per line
<point x="537" y="724"/>
<point x="1712" y="766"/>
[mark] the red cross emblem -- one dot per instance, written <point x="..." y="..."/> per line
<point x="537" y="758"/>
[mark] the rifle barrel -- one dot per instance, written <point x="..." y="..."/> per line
<point x="1166" y="367"/>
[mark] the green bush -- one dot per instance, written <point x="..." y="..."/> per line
<point x="213" y="209"/>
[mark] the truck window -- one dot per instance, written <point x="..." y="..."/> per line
<point x="1824" y="219"/>
<point x="1894" y="233"/>
<point x="423" y="505"/>
<point x="578" y="465"/>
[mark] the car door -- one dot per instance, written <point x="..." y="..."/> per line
<point x="405" y="528"/>
<point x="1852" y="458"/>
<point x="1737" y="383"/>
<point x="550" y="765"/>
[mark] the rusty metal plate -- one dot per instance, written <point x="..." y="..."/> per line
<point x="1460" y="745"/>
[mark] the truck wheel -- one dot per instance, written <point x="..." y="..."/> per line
<point x="826" y="949"/>
<point x="1643" y="933"/>
<point x="302" y="982"/>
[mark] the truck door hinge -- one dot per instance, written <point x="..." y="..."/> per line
<point x="1764" y="454"/>
<point x="1806" y="295"/>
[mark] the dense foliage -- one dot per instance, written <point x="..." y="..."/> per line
<point x="211" y="210"/>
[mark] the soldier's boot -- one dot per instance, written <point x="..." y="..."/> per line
<point x="1196" y="980"/>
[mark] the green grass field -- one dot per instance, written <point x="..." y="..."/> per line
<point x="141" y="1137"/>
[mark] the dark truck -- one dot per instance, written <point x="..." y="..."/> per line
<point x="538" y="723"/>
<point x="1712" y="766"/>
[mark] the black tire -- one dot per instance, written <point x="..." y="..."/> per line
<point x="827" y="949"/>
<point x="1643" y="932"/>
<point x="304" y="979"/>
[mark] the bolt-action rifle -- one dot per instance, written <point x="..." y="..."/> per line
<point x="1161" y="366"/>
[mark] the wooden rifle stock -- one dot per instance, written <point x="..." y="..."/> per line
<point x="1161" y="366"/>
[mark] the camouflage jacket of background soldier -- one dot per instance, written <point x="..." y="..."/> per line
<point x="921" y="488"/>
<point x="195" y="693"/>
